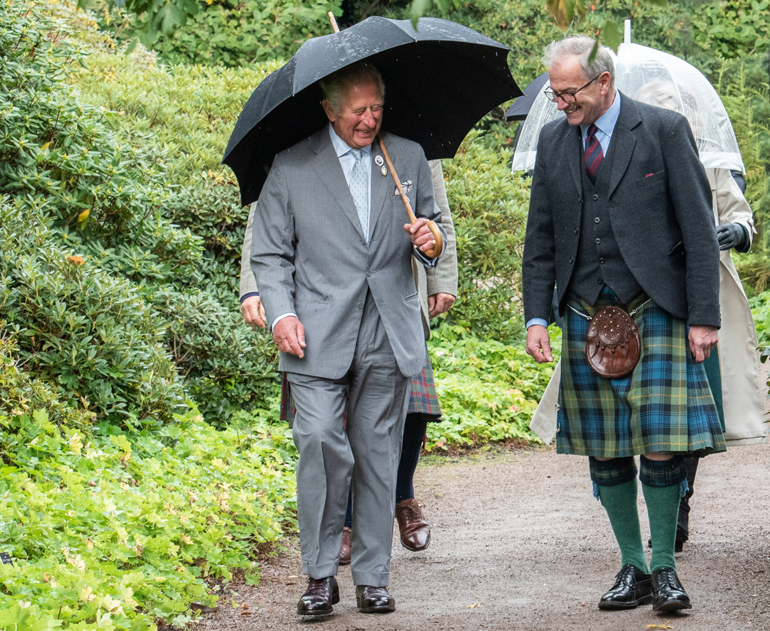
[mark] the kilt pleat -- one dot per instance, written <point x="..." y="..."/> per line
<point x="664" y="405"/>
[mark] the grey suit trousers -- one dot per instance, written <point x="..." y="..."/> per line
<point x="368" y="451"/>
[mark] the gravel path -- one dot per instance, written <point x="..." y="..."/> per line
<point x="519" y="543"/>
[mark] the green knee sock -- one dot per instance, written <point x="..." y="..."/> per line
<point x="620" y="503"/>
<point x="663" y="509"/>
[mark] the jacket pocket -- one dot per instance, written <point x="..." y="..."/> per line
<point x="647" y="180"/>
<point x="677" y="249"/>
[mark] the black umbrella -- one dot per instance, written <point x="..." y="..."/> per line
<point x="520" y="108"/>
<point x="439" y="81"/>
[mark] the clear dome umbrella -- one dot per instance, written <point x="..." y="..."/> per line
<point x="657" y="78"/>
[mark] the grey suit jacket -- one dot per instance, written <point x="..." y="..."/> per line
<point x="440" y="279"/>
<point x="310" y="257"/>
<point x="660" y="211"/>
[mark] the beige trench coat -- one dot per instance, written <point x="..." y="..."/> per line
<point x="743" y="389"/>
<point x="441" y="279"/>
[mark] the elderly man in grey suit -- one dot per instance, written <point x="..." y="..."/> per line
<point x="620" y="215"/>
<point x="332" y="259"/>
<point x="438" y="289"/>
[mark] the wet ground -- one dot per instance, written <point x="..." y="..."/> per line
<point x="519" y="543"/>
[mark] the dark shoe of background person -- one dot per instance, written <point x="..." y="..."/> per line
<point x="347" y="545"/>
<point x="374" y="599"/>
<point x="632" y="588"/>
<point x="681" y="537"/>
<point x="319" y="597"/>
<point x="414" y="530"/>
<point x="667" y="592"/>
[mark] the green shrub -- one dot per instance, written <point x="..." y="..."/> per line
<point x="488" y="390"/>
<point x="489" y="208"/>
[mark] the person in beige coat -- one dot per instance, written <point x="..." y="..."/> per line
<point x="437" y="289"/>
<point x="743" y="389"/>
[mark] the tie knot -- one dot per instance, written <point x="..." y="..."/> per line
<point x="357" y="154"/>
<point x="592" y="129"/>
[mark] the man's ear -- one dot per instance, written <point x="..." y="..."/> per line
<point x="605" y="80"/>
<point x="329" y="111"/>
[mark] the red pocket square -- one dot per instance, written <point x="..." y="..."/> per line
<point x="649" y="175"/>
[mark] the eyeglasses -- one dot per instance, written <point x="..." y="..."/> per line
<point x="567" y="96"/>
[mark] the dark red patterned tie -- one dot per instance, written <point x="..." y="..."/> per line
<point x="593" y="154"/>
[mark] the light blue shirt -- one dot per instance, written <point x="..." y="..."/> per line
<point x="347" y="162"/>
<point x="606" y="124"/>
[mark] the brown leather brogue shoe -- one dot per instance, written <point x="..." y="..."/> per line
<point x="346" y="547"/>
<point x="319" y="597"/>
<point x="414" y="530"/>
<point x="374" y="599"/>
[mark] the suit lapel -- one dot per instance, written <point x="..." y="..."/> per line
<point x="573" y="148"/>
<point x="380" y="187"/>
<point x="327" y="166"/>
<point x="622" y="143"/>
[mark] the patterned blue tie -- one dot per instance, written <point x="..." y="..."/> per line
<point x="359" y="188"/>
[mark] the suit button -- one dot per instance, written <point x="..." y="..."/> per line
<point x="368" y="272"/>
<point x="571" y="259"/>
<point x="601" y="282"/>
<point x="596" y="198"/>
<point x="597" y="241"/>
<point x="596" y="220"/>
<point x="576" y="230"/>
<point x="360" y="305"/>
<point x="601" y="261"/>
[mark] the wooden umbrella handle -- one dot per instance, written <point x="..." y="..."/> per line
<point x="438" y="246"/>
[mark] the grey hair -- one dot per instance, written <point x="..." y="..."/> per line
<point x="661" y="94"/>
<point x="336" y="84"/>
<point x="581" y="46"/>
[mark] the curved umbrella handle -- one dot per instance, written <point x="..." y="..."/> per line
<point x="439" y="240"/>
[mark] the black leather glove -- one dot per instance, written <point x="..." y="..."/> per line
<point x="733" y="235"/>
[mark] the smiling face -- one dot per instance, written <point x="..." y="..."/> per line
<point x="360" y="114"/>
<point x="566" y="75"/>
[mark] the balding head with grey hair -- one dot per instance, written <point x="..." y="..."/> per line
<point x="335" y="85"/>
<point x="580" y="46"/>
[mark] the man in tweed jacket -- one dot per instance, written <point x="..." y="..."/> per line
<point x="620" y="215"/>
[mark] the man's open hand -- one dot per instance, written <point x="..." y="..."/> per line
<point x="420" y="235"/>
<point x="439" y="303"/>
<point x="289" y="336"/>
<point x="253" y="312"/>
<point x="539" y="344"/>
<point x="702" y="340"/>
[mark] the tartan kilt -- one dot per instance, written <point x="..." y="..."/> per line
<point x="422" y="400"/>
<point x="664" y="405"/>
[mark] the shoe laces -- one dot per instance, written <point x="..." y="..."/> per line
<point x="667" y="577"/>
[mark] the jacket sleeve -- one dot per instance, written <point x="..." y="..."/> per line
<point x="272" y="245"/>
<point x="538" y="267"/>
<point x="442" y="279"/>
<point x="248" y="282"/>
<point x="690" y="192"/>
<point x="425" y="206"/>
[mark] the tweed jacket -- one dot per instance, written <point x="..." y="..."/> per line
<point x="659" y="204"/>
<point x="310" y="257"/>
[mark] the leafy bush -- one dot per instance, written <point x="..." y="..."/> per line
<point x="116" y="531"/>
<point x="489" y="209"/>
<point x="488" y="390"/>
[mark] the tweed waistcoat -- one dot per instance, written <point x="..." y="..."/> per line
<point x="599" y="261"/>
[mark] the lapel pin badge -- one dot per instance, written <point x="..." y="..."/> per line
<point x="378" y="161"/>
<point x="384" y="170"/>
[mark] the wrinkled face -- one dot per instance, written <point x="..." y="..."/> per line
<point x="360" y="117"/>
<point x="566" y="75"/>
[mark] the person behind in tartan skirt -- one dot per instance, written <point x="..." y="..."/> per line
<point x="438" y="290"/>
<point x="620" y="214"/>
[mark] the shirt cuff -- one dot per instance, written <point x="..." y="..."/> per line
<point x="540" y="321"/>
<point x="281" y="317"/>
<point x="249" y="295"/>
<point x="425" y="260"/>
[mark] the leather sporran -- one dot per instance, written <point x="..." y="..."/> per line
<point x="613" y="346"/>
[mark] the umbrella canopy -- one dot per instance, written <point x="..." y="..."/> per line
<point x="521" y="106"/>
<point x="439" y="81"/>
<point x="661" y="79"/>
